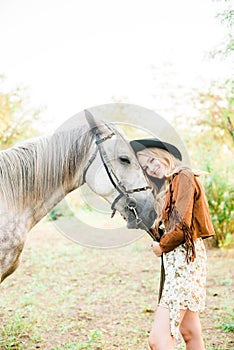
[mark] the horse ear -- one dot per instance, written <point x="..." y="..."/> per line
<point x="90" y="119"/>
<point x="96" y="126"/>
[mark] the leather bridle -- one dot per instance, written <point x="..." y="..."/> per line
<point x="123" y="192"/>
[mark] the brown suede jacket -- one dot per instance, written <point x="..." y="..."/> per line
<point x="185" y="214"/>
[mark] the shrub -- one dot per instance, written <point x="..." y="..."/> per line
<point x="220" y="196"/>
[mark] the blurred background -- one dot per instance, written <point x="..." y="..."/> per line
<point x="176" y="58"/>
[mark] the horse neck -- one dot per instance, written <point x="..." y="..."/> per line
<point x="44" y="172"/>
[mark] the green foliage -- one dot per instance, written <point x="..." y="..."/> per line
<point x="227" y="17"/>
<point x="209" y="138"/>
<point x="17" y="120"/>
<point x="216" y="115"/>
<point x="60" y="210"/>
<point x="220" y="196"/>
<point x="228" y="327"/>
<point x="55" y="214"/>
<point x="226" y="48"/>
<point x="214" y="140"/>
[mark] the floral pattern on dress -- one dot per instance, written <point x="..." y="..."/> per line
<point x="185" y="283"/>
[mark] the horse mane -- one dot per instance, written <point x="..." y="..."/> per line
<point x="36" y="167"/>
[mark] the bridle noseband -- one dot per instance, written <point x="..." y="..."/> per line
<point x="123" y="192"/>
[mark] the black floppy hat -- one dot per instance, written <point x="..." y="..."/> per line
<point x="139" y="145"/>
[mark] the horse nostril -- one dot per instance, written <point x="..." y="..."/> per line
<point x="131" y="202"/>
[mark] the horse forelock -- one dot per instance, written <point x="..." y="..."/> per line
<point x="32" y="169"/>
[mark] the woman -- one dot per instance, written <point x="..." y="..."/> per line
<point x="183" y="218"/>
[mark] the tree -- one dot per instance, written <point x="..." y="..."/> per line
<point x="17" y="120"/>
<point x="226" y="48"/>
<point x="211" y="139"/>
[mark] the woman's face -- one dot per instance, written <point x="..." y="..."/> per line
<point x="152" y="166"/>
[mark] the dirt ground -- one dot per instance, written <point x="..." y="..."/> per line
<point x="65" y="296"/>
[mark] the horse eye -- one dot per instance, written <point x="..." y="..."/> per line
<point x="124" y="160"/>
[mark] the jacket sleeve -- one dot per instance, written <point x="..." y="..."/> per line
<point x="183" y="198"/>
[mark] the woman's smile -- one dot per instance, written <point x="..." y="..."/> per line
<point x="152" y="166"/>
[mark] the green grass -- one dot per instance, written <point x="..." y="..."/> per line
<point x="94" y="342"/>
<point x="18" y="332"/>
<point x="65" y="296"/>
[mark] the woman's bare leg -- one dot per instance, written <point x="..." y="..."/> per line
<point x="160" y="336"/>
<point x="190" y="329"/>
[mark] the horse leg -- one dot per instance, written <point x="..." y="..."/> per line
<point x="11" y="261"/>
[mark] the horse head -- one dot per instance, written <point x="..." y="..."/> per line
<point x="114" y="173"/>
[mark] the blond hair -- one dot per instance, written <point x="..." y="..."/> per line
<point x="173" y="165"/>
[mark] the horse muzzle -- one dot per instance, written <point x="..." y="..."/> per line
<point x="137" y="210"/>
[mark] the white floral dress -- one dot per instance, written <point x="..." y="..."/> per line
<point x="185" y="283"/>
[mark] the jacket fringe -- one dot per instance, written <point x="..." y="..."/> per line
<point x="174" y="218"/>
<point x="189" y="243"/>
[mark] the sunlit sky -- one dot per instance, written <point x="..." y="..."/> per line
<point x="73" y="54"/>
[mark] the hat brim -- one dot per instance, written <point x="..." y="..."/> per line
<point x="139" y="145"/>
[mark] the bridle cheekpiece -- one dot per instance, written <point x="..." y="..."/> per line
<point x="123" y="192"/>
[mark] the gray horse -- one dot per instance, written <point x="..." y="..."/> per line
<point x="37" y="174"/>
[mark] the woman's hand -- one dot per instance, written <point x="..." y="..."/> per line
<point x="155" y="233"/>
<point x="156" y="248"/>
